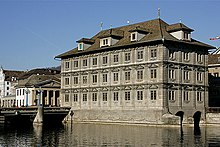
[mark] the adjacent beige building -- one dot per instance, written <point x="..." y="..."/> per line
<point x="139" y="73"/>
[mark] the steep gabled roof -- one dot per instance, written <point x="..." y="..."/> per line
<point x="157" y="29"/>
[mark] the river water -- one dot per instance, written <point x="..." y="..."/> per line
<point x="86" y="135"/>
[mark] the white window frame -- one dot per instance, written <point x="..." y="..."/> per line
<point x="115" y="96"/>
<point x="140" y="95"/>
<point x="127" y="95"/>
<point x="127" y="56"/>
<point x="94" y="96"/>
<point x="127" y="75"/>
<point x="104" y="77"/>
<point x="153" y="95"/>
<point x="134" y="36"/>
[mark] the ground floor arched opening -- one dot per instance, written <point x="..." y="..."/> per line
<point x="180" y="114"/>
<point x="197" y="117"/>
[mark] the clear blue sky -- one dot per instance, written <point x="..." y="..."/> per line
<point x="33" y="32"/>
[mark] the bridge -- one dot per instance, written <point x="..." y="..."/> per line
<point x="26" y="115"/>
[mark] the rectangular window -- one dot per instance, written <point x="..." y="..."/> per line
<point x="153" y="53"/>
<point x="75" y="80"/>
<point x="75" y="64"/>
<point x="94" y="96"/>
<point x="186" y="96"/>
<point x="67" y="81"/>
<point x="127" y="96"/>
<point x="186" y="35"/>
<point x="105" y="60"/>
<point x="94" y="61"/>
<point x="67" y="65"/>
<point x="199" y="76"/>
<point x="84" y="79"/>
<point x="115" y="96"/>
<point x="127" y="75"/>
<point x="139" y="95"/>
<point x="140" y="55"/>
<point x="115" y="77"/>
<point x="84" y="97"/>
<point x="94" y="78"/>
<point x="67" y="97"/>
<point x="186" y="56"/>
<point x="80" y="46"/>
<point x="140" y="74"/>
<point x="171" y="95"/>
<point x="105" y="78"/>
<point x="105" y="42"/>
<point x="199" y="96"/>
<point x="153" y="94"/>
<point x="75" y="97"/>
<point x="133" y="36"/>
<point x="199" y="58"/>
<point x="85" y="62"/>
<point x="116" y="58"/>
<point x="186" y="75"/>
<point x="153" y="73"/>
<point x="172" y="74"/>
<point x="104" y="96"/>
<point x="127" y="56"/>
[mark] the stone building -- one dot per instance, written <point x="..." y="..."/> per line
<point x="139" y="73"/>
<point x="45" y="87"/>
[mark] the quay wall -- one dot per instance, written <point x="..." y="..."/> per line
<point x="125" y="116"/>
<point x="213" y="118"/>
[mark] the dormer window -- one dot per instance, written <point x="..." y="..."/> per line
<point x="180" y="31"/>
<point x="105" y="42"/>
<point x="110" y="37"/>
<point x="84" y="43"/>
<point x="186" y="35"/>
<point x="80" y="46"/>
<point x="138" y="33"/>
<point x="134" y="36"/>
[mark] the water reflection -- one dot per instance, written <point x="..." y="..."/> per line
<point x="80" y="135"/>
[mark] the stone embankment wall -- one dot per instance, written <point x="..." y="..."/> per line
<point x="125" y="116"/>
<point x="213" y="118"/>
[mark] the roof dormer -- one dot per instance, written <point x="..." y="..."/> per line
<point x="138" y="33"/>
<point x="110" y="37"/>
<point x="84" y="43"/>
<point x="180" y="31"/>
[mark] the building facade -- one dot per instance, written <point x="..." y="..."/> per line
<point x="38" y="89"/>
<point x="140" y="73"/>
<point x="8" y="80"/>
